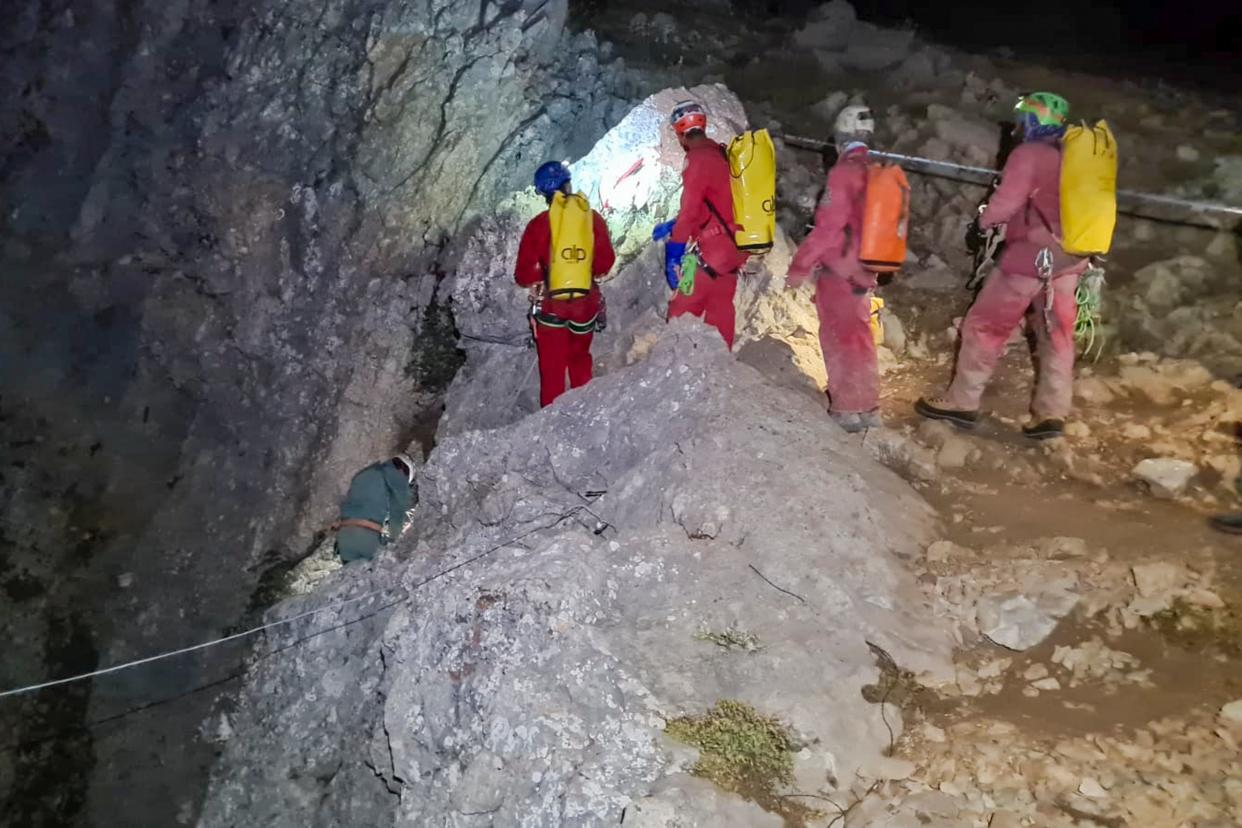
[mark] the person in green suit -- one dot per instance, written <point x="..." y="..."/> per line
<point x="381" y="493"/>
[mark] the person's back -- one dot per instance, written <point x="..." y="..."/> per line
<point x="534" y="261"/>
<point x="843" y="287"/>
<point x="706" y="214"/>
<point x="836" y="237"/>
<point x="567" y="316"/>
<point x="1028" y="202"/>
<point x="1035" y="274"/>
<point x="379" y="494"/>
<point x="704" y="220"/>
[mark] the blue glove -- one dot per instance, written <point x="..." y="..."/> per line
<point x="672" y="260"/>
<point x="662" y="231"/>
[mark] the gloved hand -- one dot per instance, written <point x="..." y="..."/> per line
<point x="662" y="231"/>
<point x="673" y="252"/>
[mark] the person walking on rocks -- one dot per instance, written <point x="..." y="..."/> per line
<point x="704" y="226"/>
<point x="381" y="493"/>
<point x="843" y="286"/>
<point x="563" y="252"/>
<point x="1034" y="273"/>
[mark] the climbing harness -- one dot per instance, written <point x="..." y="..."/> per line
<point x="358" y="523"/>
<point x="551" y="321"/>
<point x="532" y="314"/>
<point x="985" y="257"/>
<point x="1043" y="266"/>
<point x="1089" y="298"/>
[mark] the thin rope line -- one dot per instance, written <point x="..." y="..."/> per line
<point x="307" y="614"/>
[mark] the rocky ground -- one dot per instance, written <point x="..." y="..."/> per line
<point x="1055" y="629"/>
<point x="1074" y="578"/>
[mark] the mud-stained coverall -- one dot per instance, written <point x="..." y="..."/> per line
<point x="843" y="288"/>
<point x="705" y="180"/>
<point x="378" y="493"/>
<point x="1028" y="202"/>
<point x="561" y="349"/>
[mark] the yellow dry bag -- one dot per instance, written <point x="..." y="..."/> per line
<point x="573" y="245"/>
<point x="752" y="163"/>
<point x="1088" y="189"/>
<point x="877" y="321"/>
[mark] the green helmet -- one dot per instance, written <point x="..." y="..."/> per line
<point x="1043" y="109"/>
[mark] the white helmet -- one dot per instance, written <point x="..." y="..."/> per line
<point x="855" y="121"/>
<point x="405" y="460"/>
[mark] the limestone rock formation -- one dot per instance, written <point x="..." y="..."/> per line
<point x="681" y="493"/>
<point x="232" y="213"/>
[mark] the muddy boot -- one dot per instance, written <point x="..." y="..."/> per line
<point x="1045" y="429"/>
<point x="934" y="409"/>
<point x="1229" y="524"/>
<point x="850" y="421"/>
<point x="871" y="419"/>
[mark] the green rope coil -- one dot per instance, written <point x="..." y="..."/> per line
<point x="1089" y="297"/>
<point x="689" y="265"/>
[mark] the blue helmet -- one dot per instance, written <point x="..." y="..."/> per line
<point x="551" y="177"/>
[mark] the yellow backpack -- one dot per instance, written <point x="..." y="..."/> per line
<point x="573" y="245"/>
<point x="1088" y="189"/>
<point x="752" y="165"/>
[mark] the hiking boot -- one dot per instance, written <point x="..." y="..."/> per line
<point x="1229" y="524"/>
<point x="871" y="419"/>
<point x="1045" y="429"/>
<point x="848" y="420"/>
<point x="934" y="409"/>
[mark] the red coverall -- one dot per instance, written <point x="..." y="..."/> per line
<point x="560" y="349"/>
<point x="1028" y="201"/>
<point x="706" y="180"/>
<point x="843" y="289"/>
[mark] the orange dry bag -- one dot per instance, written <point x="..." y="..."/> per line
<point x="886" y="212"/>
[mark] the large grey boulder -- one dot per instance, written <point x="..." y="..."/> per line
<point x="530" y="685"/>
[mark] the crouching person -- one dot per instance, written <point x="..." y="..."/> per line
<point x="381" y="493"/>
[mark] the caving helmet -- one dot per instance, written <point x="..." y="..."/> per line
<point x="551" y="177"/>
<point x="404" y="459"/>
<point x="687" y="116"/>
<point x="854" y="123"/>
<point x="1041" y="115"/>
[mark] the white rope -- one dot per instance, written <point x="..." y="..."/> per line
<point x="116" y="668"/>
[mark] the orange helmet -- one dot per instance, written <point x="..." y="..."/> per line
<point x="688" y="115"/>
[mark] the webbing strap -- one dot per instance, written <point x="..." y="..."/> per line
<point x="574" y="327"/>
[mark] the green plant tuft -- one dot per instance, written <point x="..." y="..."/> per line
<point x="740" y="749"/>
<point x="730" y="639"/>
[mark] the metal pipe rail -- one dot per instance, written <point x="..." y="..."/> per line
<point x="1128" y="202"/>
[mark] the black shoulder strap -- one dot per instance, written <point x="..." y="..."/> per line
<point x="720" y="218"/>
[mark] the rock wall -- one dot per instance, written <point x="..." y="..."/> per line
<point x="228" y="217"/>
<point x="530" y="686"/>
<point x="595" y="542"/>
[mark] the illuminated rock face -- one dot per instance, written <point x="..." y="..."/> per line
<point x="633" y="177"/>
